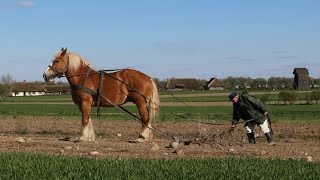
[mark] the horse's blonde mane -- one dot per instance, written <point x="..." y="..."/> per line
<point x="75" y="60"/>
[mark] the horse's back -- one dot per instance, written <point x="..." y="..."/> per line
<point x="127" y="74"/>
<point x="135" y="77"/>
<point x="119" y="85"/>
<point x="136" y="80"/>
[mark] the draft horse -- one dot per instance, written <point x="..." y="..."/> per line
<point x="91" y="88"/>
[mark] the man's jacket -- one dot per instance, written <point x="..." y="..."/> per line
<point x="248" y="108"/>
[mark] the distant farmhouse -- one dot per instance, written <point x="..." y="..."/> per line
<point x="214" y="84"/>
<point x="182" y="84"/>
<point x="35" y="89"/>
<point x="301" y="79"/>
<point x="27" y="89"/>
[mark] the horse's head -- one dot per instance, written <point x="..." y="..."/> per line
<point x="58" y="66"/>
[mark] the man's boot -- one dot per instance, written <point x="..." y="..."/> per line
<point x="269" y="138"/>
<point x="251" y="138"/>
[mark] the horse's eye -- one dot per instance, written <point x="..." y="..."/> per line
<point x="56" y="61"/>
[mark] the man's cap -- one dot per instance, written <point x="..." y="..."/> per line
<point x="232" y="95"/>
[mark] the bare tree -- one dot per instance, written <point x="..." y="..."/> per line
<point x="7" y="83"/>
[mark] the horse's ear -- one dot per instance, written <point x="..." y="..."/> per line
<point x="64" y="51"/>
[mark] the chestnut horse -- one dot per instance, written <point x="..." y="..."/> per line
<point x="90" y="88"/>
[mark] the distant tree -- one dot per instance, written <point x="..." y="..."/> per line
<point x="7" y="83"/>
<point x="280" y="83"/>
<point x="258" y="83"/>
<point x="3" y="91"/>
<point x="245" y="82"/>
<point x="274" y="83"/>
<point x="230" y="82"/>
<point x="285" y="83"/>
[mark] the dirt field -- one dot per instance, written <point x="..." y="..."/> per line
<point x="56" y="136"/>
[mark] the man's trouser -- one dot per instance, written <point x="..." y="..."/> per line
<point x="264" y="128"/>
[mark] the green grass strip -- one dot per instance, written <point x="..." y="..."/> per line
<point x="34" y="166"/>
<point x="167" y="113"/>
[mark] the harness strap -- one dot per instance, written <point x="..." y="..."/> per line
<point x="99" y="92"/>
<point x="93" y="93"/>
<point x="85" y="89"/>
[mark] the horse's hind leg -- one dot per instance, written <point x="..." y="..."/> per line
<point x="146" y="132"/>
<point x="87" y="131"/>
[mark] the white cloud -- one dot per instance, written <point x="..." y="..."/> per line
<point x="26" y="4"/>
<point x="239" y="59"/>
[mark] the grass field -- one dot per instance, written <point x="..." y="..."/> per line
<point x="35" y="166"/>
<point x="184" y="96"/>
<point x="167" y="113"/>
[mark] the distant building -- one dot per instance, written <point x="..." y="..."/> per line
<point x="35" y="89"/>
<point x="301" y="79"/>
<point x="214" y="84"/>
<point x="182" y="84"/>
<point x="27" y="89"/>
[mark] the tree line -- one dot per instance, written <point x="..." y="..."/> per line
<point x="242" y="83"/>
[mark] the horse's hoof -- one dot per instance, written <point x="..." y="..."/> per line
<point x="86" y="139"/>
<point x="146" y="138"/>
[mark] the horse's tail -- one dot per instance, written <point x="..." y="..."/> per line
<point x="154" y="102"/>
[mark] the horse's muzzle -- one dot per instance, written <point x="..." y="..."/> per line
<point x="45" y="78"/>
<point x="48" y="76"/>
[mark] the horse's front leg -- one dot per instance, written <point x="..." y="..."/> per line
<point x="87" y="131"/>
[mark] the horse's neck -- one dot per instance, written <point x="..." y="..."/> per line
<point x="79" y="75"/>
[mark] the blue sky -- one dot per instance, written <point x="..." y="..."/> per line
<point x="163" y="38"/>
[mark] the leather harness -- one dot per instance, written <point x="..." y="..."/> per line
<point x="97" y="94"/>
<point x="93" y="93"/>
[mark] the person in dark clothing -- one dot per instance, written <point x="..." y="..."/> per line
<point x="253" y="111"/>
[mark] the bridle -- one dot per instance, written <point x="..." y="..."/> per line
<point x="60" y="72"/>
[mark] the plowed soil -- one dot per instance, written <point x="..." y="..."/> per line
<point x="294" y="140"/>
